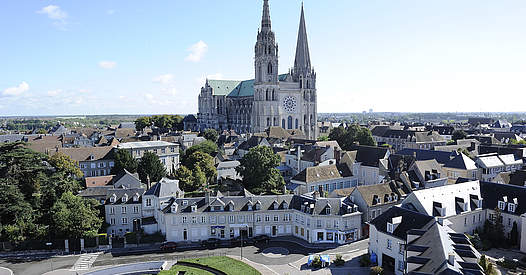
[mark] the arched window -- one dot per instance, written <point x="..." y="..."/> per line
<point x="304" y="119"/>
<point x="273" y="94"/>
<point x="310" y="119"/>
<point x="283" y="123"/>
<point x="269" y="68"/>
<point x="275" y="122"/>
<point x="289" y="122"/>
<point x="268" y="121"/>
<point x="266" y="95"/>
<point x="296" y="124"/>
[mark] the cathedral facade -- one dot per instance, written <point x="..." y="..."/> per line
<point x="270" y="99"/>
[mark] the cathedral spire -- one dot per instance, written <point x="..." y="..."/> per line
<point x="302" y="61"/>
<point x="265" y="19"/>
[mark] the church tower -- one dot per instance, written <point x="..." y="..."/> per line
<point x="266" y="85"/>
<point x="304" y="74"/>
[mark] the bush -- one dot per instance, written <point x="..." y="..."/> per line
<point x="339" y="261"/>
<point x="376" y="270"/>
<point x="365" y="260"/>
<point x="316" y="262"/>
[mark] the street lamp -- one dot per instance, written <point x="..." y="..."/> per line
<point x="241" y="234"/>
<point x="49" y="245"/>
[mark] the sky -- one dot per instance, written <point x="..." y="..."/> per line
<point x="151" y="57"/>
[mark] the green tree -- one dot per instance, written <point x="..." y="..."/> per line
<point x="259" y="172"/>
<point x="211" y="134"/>
<point x="75" y="217"/>
<point x="142" y="122"/>
<point x="458" y="134"/>
<point x="186" y="180"/>
<point x="346" y="137"/>
<point x="123" y="160"/>
<point x="65" y="164"/>
<point x="323" y="138"/>
<point x="486" y="265"/>
<point x="206" y="146"/>
<point x="202" y="161"/>
<point x="16" y="215"/>
<point x="150" y="166"/>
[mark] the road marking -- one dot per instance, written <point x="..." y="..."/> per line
<point x="9" y="271"/>
<point x="85" y="261"/>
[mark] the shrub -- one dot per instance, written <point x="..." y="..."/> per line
<point x="365" y="260"/>
<point x="316" y="262"/>
<point x="376" y="270"/>
<point x="339" y="261"/>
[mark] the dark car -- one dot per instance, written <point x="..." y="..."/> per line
<point x="237" y="241"/>
<point x="262" y="239"/>
<point x="212" y="242"/>
<point x="168" y="246"/>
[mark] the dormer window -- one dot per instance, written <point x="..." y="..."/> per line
<point x="511" y="207"/>
<point x="395" y="197"/>
<point x="136" y="198"/>
<point x="249" y="207"/>
<point x="125" y="198"/>
<point x="113" y="198"/>
<point x="275" y="205"/>
<point x="231" y="206"/>
<point x="285" y="205"/>
<point x="184" y="203"/>
<point x="390" y="228"/>
<point x="194" y="208"/>
<point x="502" y="205"/>
<point x="258" y="205"/>
<point x="174" y="208"/>
<point x="328" y="209"/>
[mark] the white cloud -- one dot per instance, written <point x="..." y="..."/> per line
<point x="107" y="64"/>
<point x="110" y="12"/>
<point x="197" y="51"/>
<point x="164" y="79"/>
<point x="54" y="12"/>
<point x="16" y="90"/>
<point x="54" y="92"/>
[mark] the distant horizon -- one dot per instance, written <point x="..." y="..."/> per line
<point x="70" y="57"/>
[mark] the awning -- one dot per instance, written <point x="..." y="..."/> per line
<point x="239" y="225"/>
<point x="217" y="226"/>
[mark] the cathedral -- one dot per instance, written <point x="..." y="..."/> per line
<point x="270" y="99"/>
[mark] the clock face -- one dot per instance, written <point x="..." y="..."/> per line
<point x="289" y="104"/>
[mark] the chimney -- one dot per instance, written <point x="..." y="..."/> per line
<point x="207" y="196"/>
<point x="298" y="153"/>
<point x="451" y="258"/>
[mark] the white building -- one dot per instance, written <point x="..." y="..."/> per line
<point x="167" y="152"/>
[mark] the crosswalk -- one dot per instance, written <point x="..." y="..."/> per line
<point x="85" y="261"/>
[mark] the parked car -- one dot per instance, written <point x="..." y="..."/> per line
<point x="168" y="246"/>
<point x="261" y="239"/>
<point x="237" y="241"/>
<point x="212" y="242"/>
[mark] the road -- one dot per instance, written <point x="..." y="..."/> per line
<point x="291" y="262"/>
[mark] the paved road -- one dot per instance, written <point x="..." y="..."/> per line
<point x="291" y="263"/>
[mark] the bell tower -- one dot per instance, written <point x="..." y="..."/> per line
<point x="266" y="51"/>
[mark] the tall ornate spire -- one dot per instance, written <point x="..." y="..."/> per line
<point x="265" y="19"/>
<point x="302" y="61"/>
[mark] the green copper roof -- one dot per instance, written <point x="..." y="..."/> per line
<point x="235" y="88"/>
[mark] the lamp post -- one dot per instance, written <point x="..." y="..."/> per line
<point x="241" y="235"/>
<point x="51" y="258"/>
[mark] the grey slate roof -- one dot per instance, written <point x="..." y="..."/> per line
<point x="120" y="193"/>
<point x="493" y="192"/>
<point x="164" y="188"/>
<point x="410" y="220"/>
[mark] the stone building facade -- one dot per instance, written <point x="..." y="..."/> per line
<point x="270" y="99"/>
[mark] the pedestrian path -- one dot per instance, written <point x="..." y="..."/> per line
<point x="85" y="261"/>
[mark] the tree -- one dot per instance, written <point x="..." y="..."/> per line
<point x="346" y="137"/>
<point x="211" y="134"/>
<point x="75" y="217"/>
<point x="124" y="160"/>
<point x="150" y="166"/>
<point x="197" y="170"/>
<point x="514" y="234"/>
<point x="65" y="164"/>
<point x="142" y="122"/>
<point x="458" y="134"/>
<point x="259" y="172"/>
<point x="323" y="138"/>
<point x="206" y="146"/>
<point x="487" y="266"/>
<point x="202" y="161"/>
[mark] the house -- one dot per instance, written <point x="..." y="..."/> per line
<point x="155" y="199"/>
<point x="253" y="141"/>
<point x="369" y="163"/>
<point x="436" y="249"/>
<point x="460" y="166"/>
<point x="92" y="161"/>
<point x="388" y="235"/>
<point x="400" y="139"/>
<point x="427" y="174"/>
<point x="493" y="164"/>
<point x="190" y="123"/>
<point x="227" y="169"/>
<point x="516" y="178"/>
<point x="123" y="210"/>
<point x="167" y="152"/>
<point x="459" y="204"/>
<point x="313" y="219"/>
<point x="299" y="158"/>
<point x="98" y="187"/>
<point x="323" y="178"/>
<point x="373" y="200"/>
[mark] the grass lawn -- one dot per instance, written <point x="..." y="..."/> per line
<point x="189" y="271"/>
<point x="225" y="264"/>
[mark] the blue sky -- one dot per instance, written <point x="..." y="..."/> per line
<point x="143" y="57"/>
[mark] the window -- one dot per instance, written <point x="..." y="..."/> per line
<point x="172" y="149"/>
<point x="184" y="219"/>
<point x="511" y="207"/>
<point x="124" y="220"/>
<point x="401" y="265"/>
<point x="276" y="218"/>
<point x="267" y="218"/>
<point x="401" y="249"/>
<point x="320" y="236"/>
<point x="330" y="236"/>
<point x="194" y="219"/>
<point x="112" y="210"/>
<point x="286" y="217"/>
<point x="148" y="202"/>
<point x="318" y="223"/>
<point x="465" y="221"/>
<point x="163" y="151"/>
<point x="389" y="244"/>
<point x="258" y="218"/>
<point x="136" y="209"/>
<point x="502" y="205"/>
<point x="203" y="219"/>
<point x="123" y="210"/>
<point x="231" y="219"/>
<point x="112" y="221"/>
<point x="213" y="219"/>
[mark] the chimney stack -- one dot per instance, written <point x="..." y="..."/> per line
<point x="451" y="258"/>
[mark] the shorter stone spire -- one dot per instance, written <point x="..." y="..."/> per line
<point x="265" y="19"/>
